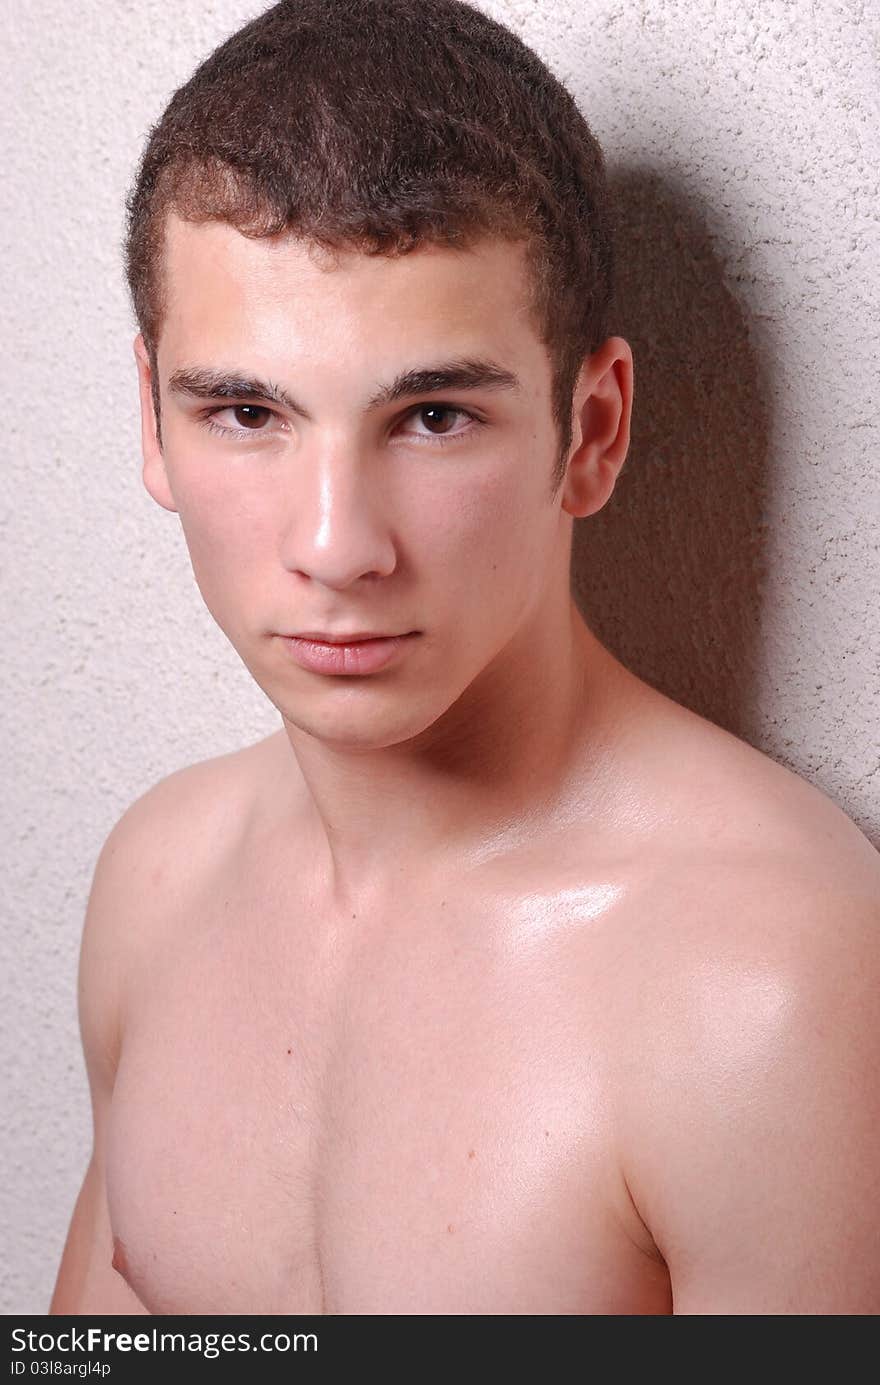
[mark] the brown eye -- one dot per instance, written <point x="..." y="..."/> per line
<point x="436" y="414"/>
<point x="249" y="418"/>
<point x="250" y="415"/>
<point x="440" y="423"/>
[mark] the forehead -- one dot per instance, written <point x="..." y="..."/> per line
<point x="227" y="292"/>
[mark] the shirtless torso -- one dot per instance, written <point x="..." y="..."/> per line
<point x="476" y="1096"/>
<point x="495" y="982"/>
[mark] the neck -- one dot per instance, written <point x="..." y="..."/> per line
<point x="487" y="773"/>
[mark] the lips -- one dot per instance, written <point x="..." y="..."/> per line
<point x="356" y="638"/>
<point x="366" y="654"/>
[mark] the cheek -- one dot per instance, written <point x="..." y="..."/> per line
<point x="483" y="537"/>
<point x="224" y="529"/>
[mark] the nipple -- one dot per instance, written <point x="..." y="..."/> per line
<point x="119" y="1262"/>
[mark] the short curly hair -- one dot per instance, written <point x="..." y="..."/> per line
<point x="380" y="125"/>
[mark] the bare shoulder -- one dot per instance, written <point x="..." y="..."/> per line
<point x="159" y="854"/>
<point x="750" y="1124"/>
<point x="728" y="797"/>
<point x="195" y="817"/>
<point x="192" y="817"/>
<point x="764" y="895"/>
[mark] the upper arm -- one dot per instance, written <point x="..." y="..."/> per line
<point x="759" y="1172"/>
<point x="164" y="841"/>
<point x="87" y="1281"/>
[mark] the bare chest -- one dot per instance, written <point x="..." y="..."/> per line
<point x="419" y="1123"/>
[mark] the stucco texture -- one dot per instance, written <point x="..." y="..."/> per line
<point x="736" y="566"/>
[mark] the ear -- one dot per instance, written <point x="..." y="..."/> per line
<point x="154" y="474"/>
<point x="601" y="414"/>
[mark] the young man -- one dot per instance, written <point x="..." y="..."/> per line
<point x="494" y="982"/>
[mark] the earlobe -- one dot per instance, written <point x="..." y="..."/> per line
<point x="155" y="476"/>
<point x="601" y="416"/>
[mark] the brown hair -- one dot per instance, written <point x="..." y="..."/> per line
<point x="379" y="125"/>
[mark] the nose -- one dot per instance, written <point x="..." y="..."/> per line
<point x="337" y="527"/>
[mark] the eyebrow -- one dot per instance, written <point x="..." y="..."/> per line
<point x="201" y="382"/>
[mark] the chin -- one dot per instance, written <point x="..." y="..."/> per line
<point x="371" y="713"/>
<point x="356" y="723"/>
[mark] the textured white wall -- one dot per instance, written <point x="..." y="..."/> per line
<point x="734" y="566"/>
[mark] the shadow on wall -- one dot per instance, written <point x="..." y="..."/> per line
<point x="668" y="575"/>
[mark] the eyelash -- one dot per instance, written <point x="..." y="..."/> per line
<point x="441" y="438"/>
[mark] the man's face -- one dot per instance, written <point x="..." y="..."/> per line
<point x="311" y="503"/>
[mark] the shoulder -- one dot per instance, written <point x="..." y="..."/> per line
<point x="751" y="1139"/>
<point x="727" y="854"/>
<point x="766" y="902"/>
<point x="750" y="1128"/>
<point x="157" y="856"/>
<point x="189" y="820"/>
<point x="759" y="920"/>
<point x="210" y="797"/>
<point x="727" y="795"/>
